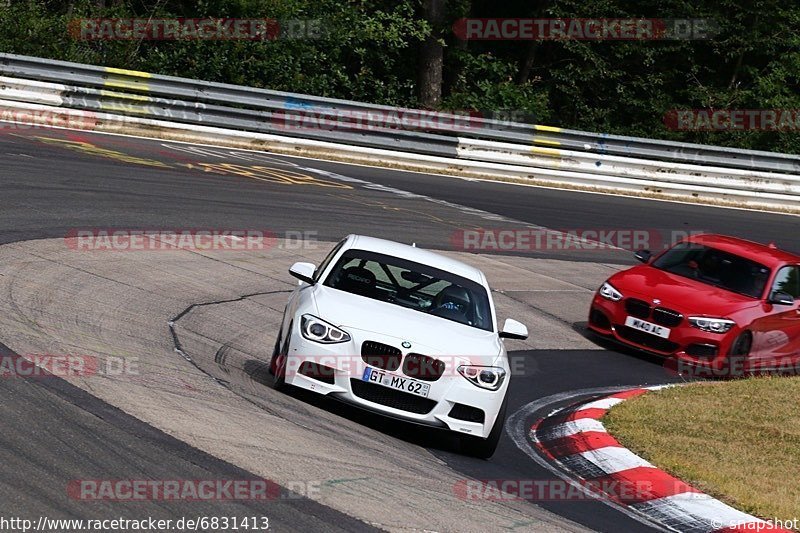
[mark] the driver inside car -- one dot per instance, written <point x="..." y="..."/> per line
<point x="453" y="303"/>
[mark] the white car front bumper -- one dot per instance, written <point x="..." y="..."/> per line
<point x="346" y="384"/>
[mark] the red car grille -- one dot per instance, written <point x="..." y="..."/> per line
<point x="660" y="315"/>
<point x="667" y="317"/>
<point x="637" y="308"/>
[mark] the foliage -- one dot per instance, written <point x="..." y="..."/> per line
<point x="369" y="49"/>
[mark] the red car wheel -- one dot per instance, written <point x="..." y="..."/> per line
<point x="740" y="350"/>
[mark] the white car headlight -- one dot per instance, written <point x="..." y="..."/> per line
<point x="485" y="377"/>
<point x="317" y="330"/>
<point x="714" y="325"/>
<point x="608" y="292"/>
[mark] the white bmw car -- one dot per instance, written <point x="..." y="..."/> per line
<point x="400" y="331"/>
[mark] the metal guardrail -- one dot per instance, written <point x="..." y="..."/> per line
<point x="174" y="89"/>
<point x="474" y="146"/>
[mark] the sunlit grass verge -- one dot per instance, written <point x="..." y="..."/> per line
<point x="738" y="441"/>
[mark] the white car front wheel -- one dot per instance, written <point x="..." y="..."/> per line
<point x="277" y="364"/>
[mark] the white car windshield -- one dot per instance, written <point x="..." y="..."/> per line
<point x="412" y="285"/>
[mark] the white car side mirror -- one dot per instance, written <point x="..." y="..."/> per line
<point x="304" y="272"/>
<point x="514" y="330"/>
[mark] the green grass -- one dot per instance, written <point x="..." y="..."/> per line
<point x="738" y="441"/>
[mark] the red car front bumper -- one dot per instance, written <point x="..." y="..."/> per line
<point x="690" y="348"/>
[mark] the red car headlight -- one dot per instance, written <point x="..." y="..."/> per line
<point x="608" y="292"/>
<point x="714" y="325"/>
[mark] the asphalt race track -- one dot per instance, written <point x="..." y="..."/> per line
<point x="55" y="181"/>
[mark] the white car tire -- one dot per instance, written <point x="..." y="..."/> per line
<point x="278" y="362"/>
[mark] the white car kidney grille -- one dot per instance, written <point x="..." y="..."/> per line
<point x="381" y="355"/>
<point x="415" y="365"/>
<point x="423" y="367"/>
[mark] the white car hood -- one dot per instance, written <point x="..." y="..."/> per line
<point x="437" y="335"/>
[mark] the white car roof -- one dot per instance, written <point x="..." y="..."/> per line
<point x="418" y="255"/>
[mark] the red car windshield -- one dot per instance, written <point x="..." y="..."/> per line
<point x="715" y="267"/>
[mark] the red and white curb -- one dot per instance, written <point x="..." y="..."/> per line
<point x="576" y="441"/>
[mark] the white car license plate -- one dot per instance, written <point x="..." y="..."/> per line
<point x="648" y="327"/>
<point x="396" y="382"/>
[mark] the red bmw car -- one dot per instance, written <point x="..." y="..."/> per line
<point x="718" y="304"/>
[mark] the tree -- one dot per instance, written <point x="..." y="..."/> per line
<point x="431" y="56"/>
